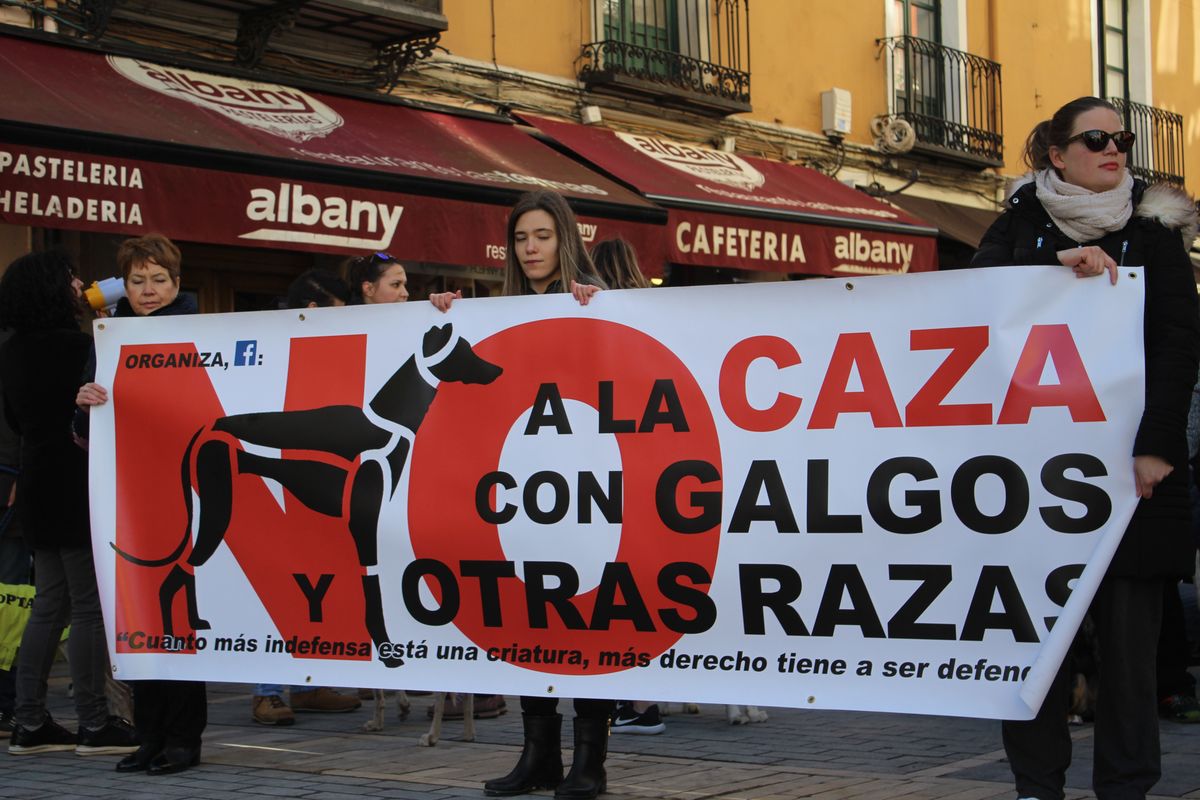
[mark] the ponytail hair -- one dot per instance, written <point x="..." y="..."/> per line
<point x="365" y="269"/>
<point x="1055" y="131"/>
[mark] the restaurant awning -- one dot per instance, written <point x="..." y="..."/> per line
<point x="112" y="144"/>
<point x="960" y="223"/>
<point x="727" y="210"/>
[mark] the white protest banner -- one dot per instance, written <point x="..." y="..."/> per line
<point x="874" y="493"/>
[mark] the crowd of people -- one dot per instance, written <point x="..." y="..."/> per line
<point x="1079" y="206"/>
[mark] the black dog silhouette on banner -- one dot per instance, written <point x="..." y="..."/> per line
<point x="380" y="436"/>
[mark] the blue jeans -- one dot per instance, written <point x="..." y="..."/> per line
<point x="276" y="689"/>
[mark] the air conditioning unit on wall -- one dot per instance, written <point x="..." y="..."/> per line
<point x="835" y="113"/>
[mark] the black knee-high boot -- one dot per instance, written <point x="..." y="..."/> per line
<point x="540" y="765"/>
<point x="587" y="777"/>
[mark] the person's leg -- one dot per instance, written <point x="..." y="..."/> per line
<point x="150" y="700"/>
<point x="1127" y="764"/>
<point x="1176" y="687"/>
<point x="15" y="561"/>
<point x="187" y="714"/>
<point x="322" y="699"/>
<point x="267" y="706"/>
<point x="1039" y="750"/>
<point x="588" y="778"/>
<point x="40" y="640"/>
<point x="540" y="765"/>
<point x="87" y="652"/>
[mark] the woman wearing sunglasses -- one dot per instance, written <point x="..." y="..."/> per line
<point x="377" y="278"/>
<point x="1081" y="208"/>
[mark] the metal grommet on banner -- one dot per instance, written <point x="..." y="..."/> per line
<point x="811" y="699"/>
<point x="100" y="326"/>
<point x="549" y="690"/>
<point x="302" y="318"/>
<point x="849" y="286"/>
<point x="1133" y="275"/>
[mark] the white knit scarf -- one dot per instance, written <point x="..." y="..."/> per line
<point x="1080" y="213"/>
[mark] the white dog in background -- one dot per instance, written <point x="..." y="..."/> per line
<point x="737" y="715"/>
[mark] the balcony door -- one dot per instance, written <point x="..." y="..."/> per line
<point x="921" y="70"/>
<point x="649" y="28"/>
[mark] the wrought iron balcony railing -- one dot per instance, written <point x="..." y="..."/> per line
<point x="1157" y="155"/>
<point x="951" y="98"/>
<point x="360" y="43"/>
<point x="690" y="53"/>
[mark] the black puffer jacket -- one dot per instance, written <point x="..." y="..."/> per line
<point x="1157" y="541"/>
<point x="39" y="370"/>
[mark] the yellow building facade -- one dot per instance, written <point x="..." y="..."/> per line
<point x="526" y="55"/>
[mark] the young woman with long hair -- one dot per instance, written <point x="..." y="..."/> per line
<point x="617" y="265"/>
<point x="546" y="255"/>
<point x="41" y="303"/>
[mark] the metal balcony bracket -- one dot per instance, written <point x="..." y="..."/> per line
<point x="255" y="29"/>
<point x="96" y="15"/>
<point x="394" y="58"/>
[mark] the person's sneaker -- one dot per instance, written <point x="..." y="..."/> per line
<point x="324" y="700"/>
<point x="6" y="724"/>
<point x="626" y="720"/>
<point x="271" y="710"/>
<point x="1179" y="708"/>
<point x="115" y="738"/>
<point x="45" y="738"/>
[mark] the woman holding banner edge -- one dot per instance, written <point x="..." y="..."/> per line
<point x="1081" y="208"/>
<point x="169" y="715"/>
<point x="545" y="255"/>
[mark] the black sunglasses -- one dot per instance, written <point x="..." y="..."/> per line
<point x="1096" y="140"/>
<point x="376" y="258"/>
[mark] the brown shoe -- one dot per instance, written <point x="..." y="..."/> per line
<point x="489" y="706"/>
<point x="324" y="700"/>
<point x="271" y="710"/>
<point x="453" y="709"/>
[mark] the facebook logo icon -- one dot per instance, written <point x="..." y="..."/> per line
<point x="245" y="353"/>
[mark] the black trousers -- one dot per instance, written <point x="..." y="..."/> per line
<point x="1173" y="675"/>
<point x="170" y="713"/>
<point x="1127" y="613"/>
<point x="588" y="709"/>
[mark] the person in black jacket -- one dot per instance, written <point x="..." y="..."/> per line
<point x="1081" y="208"/>
<point x="40" y="301"/>
<point x="169" y="716"/>
<point x="546" y="255"/>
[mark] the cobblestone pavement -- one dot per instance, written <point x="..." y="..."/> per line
<point x="819" y="755"/>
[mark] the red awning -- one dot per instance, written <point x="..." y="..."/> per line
<point x="727" y="210"/>
<point x="120" y="145"/>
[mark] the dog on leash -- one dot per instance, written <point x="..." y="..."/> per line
<point x="360" y="454"/>
<point x="736" y="714"/>
<point x="403" y="707"/>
